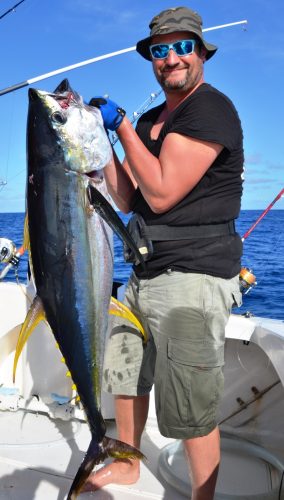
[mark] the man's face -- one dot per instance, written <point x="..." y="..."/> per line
<point x="178" y="73"/>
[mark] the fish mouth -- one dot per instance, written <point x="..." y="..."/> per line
<point x="64" y="100"/>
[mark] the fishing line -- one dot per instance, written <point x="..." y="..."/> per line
<point x="2" y="184"/>
<point x="12" y="9"/>
<point x="10" y="124"/>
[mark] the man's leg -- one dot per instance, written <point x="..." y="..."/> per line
<point x="131" y="416"/>
<point x="203" y="455"/>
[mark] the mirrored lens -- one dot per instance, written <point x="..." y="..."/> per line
<point x="184" y="47"/>
<point x="160" y="51"/>
<point x="181" y="48"/>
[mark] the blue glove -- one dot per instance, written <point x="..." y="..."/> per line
<point x="112" y="114"/>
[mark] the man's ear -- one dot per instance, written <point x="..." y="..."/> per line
<point x="203" y="53"/>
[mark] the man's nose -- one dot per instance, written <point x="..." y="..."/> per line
<point x="172" y="58"/>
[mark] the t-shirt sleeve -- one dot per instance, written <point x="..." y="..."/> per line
<point x="210" y="117"/>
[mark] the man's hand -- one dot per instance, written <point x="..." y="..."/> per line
<point x="112" y="114"/>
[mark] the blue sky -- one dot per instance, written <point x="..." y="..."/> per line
<point x="41" y="36"/>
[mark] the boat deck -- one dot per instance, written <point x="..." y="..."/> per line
<point x="42" y="457"/>
<point x="41" y="450"/>
<point x="39" y="458"/>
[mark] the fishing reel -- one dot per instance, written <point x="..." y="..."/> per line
<point x="8" y="252"/>
<point x="247" y="280"/>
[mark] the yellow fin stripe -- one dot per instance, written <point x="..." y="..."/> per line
<point x="26" y="243"/>
<point x="118" y="309"/>
<point x="35" y="315"/>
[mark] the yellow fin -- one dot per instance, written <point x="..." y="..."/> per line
<point x="26" y="243"/>
<point x="118" y="309"/>
<point x="35" y="315"/>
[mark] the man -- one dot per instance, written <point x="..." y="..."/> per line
<point x="182" y="174"/>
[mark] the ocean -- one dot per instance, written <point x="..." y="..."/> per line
<point x="263" y="254"/>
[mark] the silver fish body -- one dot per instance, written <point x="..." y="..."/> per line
<point x="71" y="246"/>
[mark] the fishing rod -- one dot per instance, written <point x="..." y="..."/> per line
<point x="138" y="112"/>
<point x="280" y="194"/>
<point x="20" y="85"/>
<point x="12" y="9"/>
<point x="247" y="278"/>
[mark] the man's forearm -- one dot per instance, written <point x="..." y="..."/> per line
<point x="120" y="185"/>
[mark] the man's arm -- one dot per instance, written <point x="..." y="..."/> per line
<point x="120" y="183"/>
<point x="166" y="180"/>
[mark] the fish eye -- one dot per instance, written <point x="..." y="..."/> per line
<point x="58" y="117"/>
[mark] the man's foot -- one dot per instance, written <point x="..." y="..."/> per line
<point x="120" y="471"/>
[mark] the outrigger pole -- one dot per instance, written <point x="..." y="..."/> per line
<point x="18" y="86"/>
<point x="263" y="214"/>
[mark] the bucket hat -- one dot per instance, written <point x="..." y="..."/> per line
<point x="171" y="20"/>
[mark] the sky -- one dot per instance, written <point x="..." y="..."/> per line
<point x="42" y="36"/>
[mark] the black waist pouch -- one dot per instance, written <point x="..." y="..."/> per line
<point x="138" y="230"/>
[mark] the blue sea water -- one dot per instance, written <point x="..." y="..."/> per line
<point x="263" y="253"/>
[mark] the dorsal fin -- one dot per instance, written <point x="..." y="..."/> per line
<point x="64" y="86"/>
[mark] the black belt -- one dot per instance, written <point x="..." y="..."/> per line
<point x="167" y="233"/>
<point x="144" y="235"/>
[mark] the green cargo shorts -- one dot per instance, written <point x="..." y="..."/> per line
<point x="184" y="315"/>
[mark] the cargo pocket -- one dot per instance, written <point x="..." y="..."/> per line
<point x="193" y="385"/>
<point x="236" y="294"/>
<point x="237" y="298"/>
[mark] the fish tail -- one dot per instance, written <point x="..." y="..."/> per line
<point x="97" y="453"/>
<point x="118" y="449"/>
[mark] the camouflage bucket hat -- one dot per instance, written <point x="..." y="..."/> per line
<point x="171" y="20"/>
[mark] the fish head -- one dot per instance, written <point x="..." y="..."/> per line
<point x="64" y="125"/>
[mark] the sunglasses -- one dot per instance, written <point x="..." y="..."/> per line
<point x="181" y="48"/>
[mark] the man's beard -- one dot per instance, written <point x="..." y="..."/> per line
<point x="188" y="82"/>
<point x="174" y="85"/>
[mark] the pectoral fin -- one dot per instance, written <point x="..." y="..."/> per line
<point x="35" y="315"/>
<point x="107" y="212"/>
<point x="118" y="309"/>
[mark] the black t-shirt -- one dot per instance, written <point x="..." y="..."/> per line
<point x="208" y="115"/>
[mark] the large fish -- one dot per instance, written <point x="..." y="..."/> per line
<point x="71" y="249"/>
